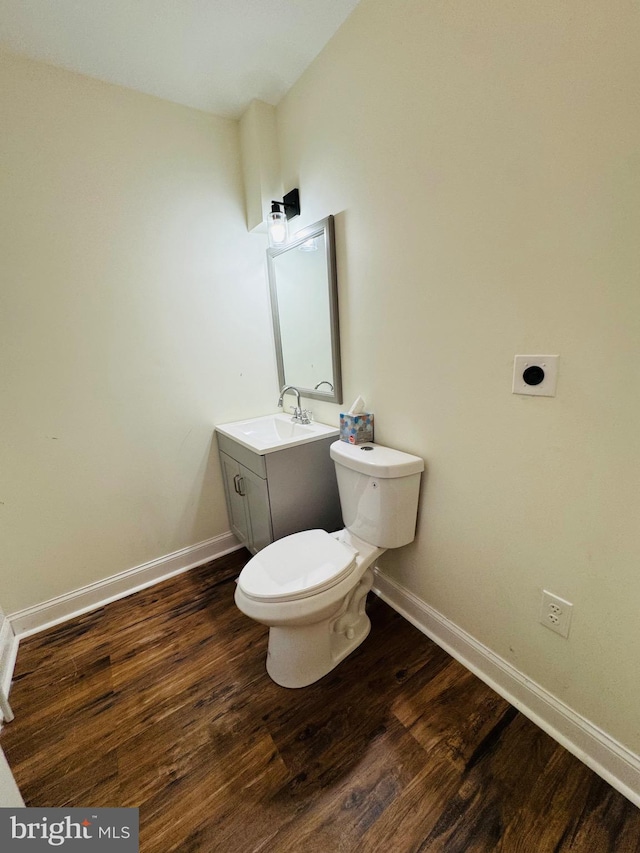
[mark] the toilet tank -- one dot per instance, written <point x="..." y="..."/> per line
<point x="379" y="490"/>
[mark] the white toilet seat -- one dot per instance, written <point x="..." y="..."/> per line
<point x="296" y="567"/>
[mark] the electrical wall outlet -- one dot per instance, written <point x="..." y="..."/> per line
<point x="555" y="613"/>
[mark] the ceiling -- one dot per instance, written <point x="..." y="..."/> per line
<point x="215" y="55"/>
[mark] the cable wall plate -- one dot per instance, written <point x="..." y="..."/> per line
<point x="535" y="375"/>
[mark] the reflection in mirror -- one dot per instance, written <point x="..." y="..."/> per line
<point x="304" y="302"/>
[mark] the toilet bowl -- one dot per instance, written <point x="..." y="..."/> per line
<point x="310" y="588"/>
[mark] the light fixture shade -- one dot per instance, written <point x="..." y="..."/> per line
<point x="277" y="228"/>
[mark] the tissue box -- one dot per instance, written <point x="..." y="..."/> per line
<point x="356" y="429"/>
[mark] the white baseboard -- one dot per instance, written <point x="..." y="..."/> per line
<point x="94" y="595"/>
<point x="605" y="756"/>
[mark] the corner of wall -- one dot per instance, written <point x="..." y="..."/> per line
<point x="260" y="162"/>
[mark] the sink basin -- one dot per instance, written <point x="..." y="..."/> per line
<point x="272" y="429"/>
<point x="274" y="432"/>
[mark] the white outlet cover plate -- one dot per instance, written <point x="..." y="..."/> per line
<point x="555" y="613"/>
<point x="546" y="388"/>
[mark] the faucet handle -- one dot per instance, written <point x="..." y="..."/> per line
<point x="302" y="416"/>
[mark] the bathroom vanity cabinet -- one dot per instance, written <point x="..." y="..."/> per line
<point x="275" y="494"/>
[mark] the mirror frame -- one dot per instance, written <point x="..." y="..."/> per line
<point x="324" y="227"/>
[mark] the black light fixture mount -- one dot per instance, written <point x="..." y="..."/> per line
<point x="290" y="202"/>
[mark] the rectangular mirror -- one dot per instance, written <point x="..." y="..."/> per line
<point x="304" y="303"/>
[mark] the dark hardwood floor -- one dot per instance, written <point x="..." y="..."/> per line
<point x="161" y="701"/>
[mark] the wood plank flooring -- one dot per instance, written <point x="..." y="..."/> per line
<point x="161" y="701"/>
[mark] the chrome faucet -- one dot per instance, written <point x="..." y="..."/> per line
<point x="300" y="416"/>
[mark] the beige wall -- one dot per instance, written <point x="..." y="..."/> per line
<point x="482" y="162"/>
<point x="133" y="316"/>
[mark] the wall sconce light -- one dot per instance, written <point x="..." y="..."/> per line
<point x="277" y="219"/>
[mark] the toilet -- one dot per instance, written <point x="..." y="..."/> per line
<point x="310" y="588"/>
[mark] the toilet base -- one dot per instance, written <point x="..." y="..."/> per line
<point x="300" y="655"/>
<point x="297" y="657"/>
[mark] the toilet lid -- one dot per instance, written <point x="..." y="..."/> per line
<point x="297" y="566"/>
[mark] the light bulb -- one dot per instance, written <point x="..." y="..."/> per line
<point x="277" y="228"/>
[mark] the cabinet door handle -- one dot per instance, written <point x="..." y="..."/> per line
<point x="238" y="484"/>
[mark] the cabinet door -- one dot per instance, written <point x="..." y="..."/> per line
<point x="258" y="510"/>
<point x="236" y="502"/>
